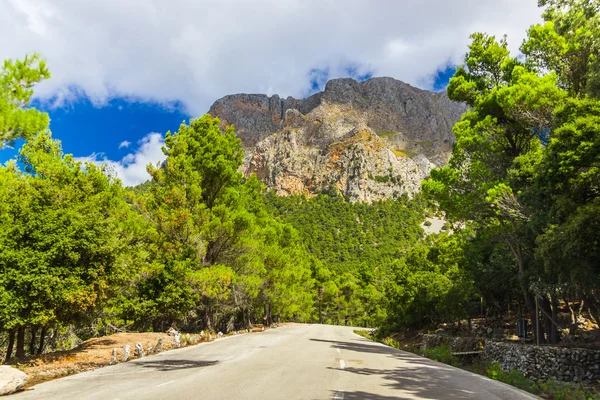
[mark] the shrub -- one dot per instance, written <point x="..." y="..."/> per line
<point x="441" y="353"/>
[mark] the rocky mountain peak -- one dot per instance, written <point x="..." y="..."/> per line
<point x="369" y="140"/>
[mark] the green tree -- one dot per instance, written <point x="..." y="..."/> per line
<point x="17" y="79"/>
<point x="567" y="44"/>
<point x="498" y="142"/>
<point x="59" y="239"/>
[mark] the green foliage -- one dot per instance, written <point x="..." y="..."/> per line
<point x="442" y="354"/>
<point x="513" y="378"/>
<point x="363" y="333"/>
<point x="430" y="284"/>
<point x="17" y="79"/>
<point x="213" y="250"/>
<point x="357" y="245"/>
<point x="567" y="43"/>
<point x="523" y="175"/>
<point x="548" y="388"/>
<point x="60" y="237"/>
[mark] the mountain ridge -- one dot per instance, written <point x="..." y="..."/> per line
<point x="368" y="140"/>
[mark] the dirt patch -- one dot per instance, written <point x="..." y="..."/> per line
<point x="97" y="352"/>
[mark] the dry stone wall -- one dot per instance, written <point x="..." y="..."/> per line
<point x="543" y="362"/>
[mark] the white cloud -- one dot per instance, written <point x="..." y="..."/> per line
<point x="131" y="169"/>
<point x="197" y="51"/>
<point x="124" y="143"/>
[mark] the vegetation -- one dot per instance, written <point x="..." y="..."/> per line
<point x="523" y="177"/>
<point x="358" y="247"/>
<point x="548" y="388"/>
<point x="200" y="246"/>
<point x="196" y="247"/>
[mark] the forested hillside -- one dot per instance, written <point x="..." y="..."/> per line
<point x="201" y="246"/>
<point x="358" y="246"/>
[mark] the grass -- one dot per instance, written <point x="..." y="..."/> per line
<point x="364" y="334"/>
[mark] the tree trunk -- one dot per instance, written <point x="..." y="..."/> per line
<point x="531" y="310"/>
<point x="40" y="348"/>
<point x="11" y="344"/>
<point x="528" y="297"/>
<point x="20" y="354"/>
<point x="573" y="324"/>
<point x="320" y="313"/>
<point x="208" y="319"/>
<point x="268" y="319"/>
<point x="554" y="334"/>
<point x="32" y="340"/>
<point x="248" y="320"/>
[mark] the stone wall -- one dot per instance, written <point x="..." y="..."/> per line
<point x="543" y="362"/>
<point x="455" y="343"/>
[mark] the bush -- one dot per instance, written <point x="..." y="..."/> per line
<point x="549" y="389"/>
<point x="514" y="378"/>
<point x="388" y="341"/>
<point x="441" y="353"/>
<point x="364" y="334"/>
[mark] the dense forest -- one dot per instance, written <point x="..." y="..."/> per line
<point x="200" y="246"/>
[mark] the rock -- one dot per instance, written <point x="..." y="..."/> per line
<point x="139" y="350"/>
<point x="430" y="341"/>
<point x="11" y="380"/>
<point x="177" y="340"/>
<point x="220" y="334"/>
<point x="209" y="337"/>
<point x="371" y="140"/>
<point x="202" y="335"/>
<point x="262" y="329"/>
<point x="172" y="332"/>
<point x="114" y="357"/>
<point x="159" y="346"/>
<point x="150" y="350"/>
<point x="126" y="353"/>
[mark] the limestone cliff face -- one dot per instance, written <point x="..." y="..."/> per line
<point x="371" y="140"/>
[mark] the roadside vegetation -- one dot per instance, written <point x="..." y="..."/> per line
<point x="201" y="247"/>
<point x="547" y="389"/>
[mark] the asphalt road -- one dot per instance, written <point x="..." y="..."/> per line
<point x="293" y="362"/>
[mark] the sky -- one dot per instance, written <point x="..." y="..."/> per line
<point x="126" y="71"/>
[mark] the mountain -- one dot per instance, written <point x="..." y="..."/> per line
<point x="367" y="140"/>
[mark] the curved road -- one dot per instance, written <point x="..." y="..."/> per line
<point x="293" y="362"/>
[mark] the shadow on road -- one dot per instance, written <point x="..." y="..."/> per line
<point x="357" y="346"/>
<point x="420" y="383"/>
<point x="363" y="396"/>
<point x="420" y="379"/>
<point x="173" y="365"/>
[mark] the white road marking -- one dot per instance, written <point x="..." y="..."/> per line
<point x="163" y="384"/>
<point x="342" y="364"/>
<point x="339" y="395"/>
